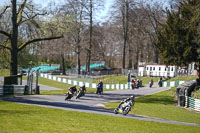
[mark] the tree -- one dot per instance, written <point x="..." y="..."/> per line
<point x="177" y="39"/>
<point x="76" y="10"/>
<point x="19" y="16"/>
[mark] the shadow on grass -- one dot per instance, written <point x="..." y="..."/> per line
<point x="162" y="99"/>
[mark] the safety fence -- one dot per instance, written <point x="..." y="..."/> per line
<point x="90" y="85"/>
<point x="173" y="83"/>
<point x="192" y="103"/>
<point x="13" y="90"/>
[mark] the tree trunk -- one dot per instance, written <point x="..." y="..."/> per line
<point x="130" y="63"/>
<point x="78" y="61"/>
<point x="125" y="18"/>
<point x="14" y="41"/>
<point x="78" y="43"/>
<point x="63" y="64"/>
<point x="136" y="59"/>
<point x="90" y="41"/>
<point x="156" y="55"/>
<point x="199" y="70"/>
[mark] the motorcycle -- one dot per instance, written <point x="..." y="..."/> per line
<point x="81" y="93"/>
<point x="133" y="85"/>
<point x="150" y="84"/>
<point x="99" y="90"/>
<point x="124" y="107"/>
<point x="160" y="83"/>
<point x="70" y="93"/>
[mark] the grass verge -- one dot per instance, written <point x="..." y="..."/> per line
<point x="162" y="105"/>
<point x="59" y="85"/>
<point x="183" y="78"/>
<point x="17" y="118"/>
<point x="4" y="72"/>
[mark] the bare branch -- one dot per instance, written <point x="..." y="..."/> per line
<point x="3" y="45"/>
<point x="4" y="10"/>
<point x="5" y="33"/>
<point x="20" y="11"/>
<point x="37" y="40"/>
<point x="28" y="19"/>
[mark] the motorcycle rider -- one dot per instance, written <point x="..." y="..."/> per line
<point x="132" y="99"/>
<point x="83" y="88"/>
<point x="100" y="87"/>
<point x="132" y="84"/>
<point x="81" y="92"/>
<point x="160" y="82"/>
<point x="151" y="83"/>
<point x="71" y="91"/>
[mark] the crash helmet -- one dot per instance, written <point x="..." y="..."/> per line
<point x="132" y="97"/>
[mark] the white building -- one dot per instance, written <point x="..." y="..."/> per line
<point x="156" y="70"/>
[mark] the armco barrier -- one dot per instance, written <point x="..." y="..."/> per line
<point x="12" y="90"/>
<point x="90" y="85"/>
<point x="1" y="90"/>
<point x="192" y="103"/>
<point x="173" y="83"/>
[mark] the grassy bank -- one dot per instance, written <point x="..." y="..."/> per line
<point x="60" y="85"/>
<point x="4" y="72"/>
<point x="183" y="78"/>
<point x="162" y="105"/>
<point x="17" y="118"/>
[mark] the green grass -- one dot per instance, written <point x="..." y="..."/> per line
<point x="112" y="79"/>
<point x="183" y="78"/>
<point x="145" y="80"/>
<point x="4" y="72"/>
<point x="196" y="94"/>
<point x="17" y="118"/>
<point x="59" y="85"/>
<point x="116" y="79"/>
<point x="162" y="105"/>
<point x="121" y="79"/>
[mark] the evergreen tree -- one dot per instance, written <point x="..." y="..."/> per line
<point x="178" y="39"/>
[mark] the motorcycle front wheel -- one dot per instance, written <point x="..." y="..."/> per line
<point x="126" y="111"/>
<point x="116" y="111"/>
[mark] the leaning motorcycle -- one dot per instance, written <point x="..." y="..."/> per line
<point x="124" y="108"/>
<point x="80" y="93"/>
<point x="68" y="95"/>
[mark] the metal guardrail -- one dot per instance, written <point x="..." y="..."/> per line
<point x="13" y="90"/>
<point x="192" y="103"/>
<point x="87" y="84"/>
<point x="183" y="92"/>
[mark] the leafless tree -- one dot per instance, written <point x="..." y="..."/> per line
<point x="20" y="15"/>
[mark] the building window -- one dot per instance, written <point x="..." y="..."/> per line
<point x="154" y="68"/>
<point x="159" y="68"/>
<point x="172" y="69"/>
<point x="147" y="68"/>
<point x="150" y="68"/>
<point x="165" y="68"/>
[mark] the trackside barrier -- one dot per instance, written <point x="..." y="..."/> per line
<point x="192" y="103"/>
<point x="13" y="90"/>
<point x="173" y="83"/>
<point x="90" y="85"/>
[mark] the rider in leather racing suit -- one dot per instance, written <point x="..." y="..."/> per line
<point x="132" y="98"/>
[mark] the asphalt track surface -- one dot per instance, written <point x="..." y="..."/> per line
<point x="92" y="103"/>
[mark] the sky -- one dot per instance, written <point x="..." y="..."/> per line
<point x="100" y="15"/>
